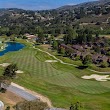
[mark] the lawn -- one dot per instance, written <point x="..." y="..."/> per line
<point x="62" y="84"/>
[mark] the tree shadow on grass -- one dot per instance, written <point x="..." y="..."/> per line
<point x="82" y="67"/>
<point x="58" y="55"/>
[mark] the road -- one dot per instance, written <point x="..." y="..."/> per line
<point x="22" y="93"/>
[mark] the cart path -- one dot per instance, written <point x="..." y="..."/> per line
<point x="27" y="94"/>
<point x="68" y="63"/>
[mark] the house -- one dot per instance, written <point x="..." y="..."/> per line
<point x="77" y="47"/>
<point x="75" y="54"/>
<point x="94" y="58"/>
<point x="103" y="51"/>
<point x="31" y="37"/>
<point x="84" y="54"/>
<point x="66" y="47"/>
<point x="104" y="58"/>
<point x="89" y="44"/>
<point x="97" y="58"/>
<point x="81" y="51"/>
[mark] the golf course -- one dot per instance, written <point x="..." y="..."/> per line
<point x="61" y="83"/>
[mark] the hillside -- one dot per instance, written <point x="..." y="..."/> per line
<point x="94" y="15"/>
<point x="85" y="4"/>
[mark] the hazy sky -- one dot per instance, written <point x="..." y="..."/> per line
<point x="38" y="4"/>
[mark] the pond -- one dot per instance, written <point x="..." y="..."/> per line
<point x="11" y="46"/>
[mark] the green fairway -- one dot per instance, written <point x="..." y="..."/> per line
<point x="61" y="83"/>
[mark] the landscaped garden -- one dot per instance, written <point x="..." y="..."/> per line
<point x="61" y="83"/>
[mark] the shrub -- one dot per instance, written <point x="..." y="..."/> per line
<point x="104" y="64"/>
<point x="31" y="105"/>
<point x="8" y="108"/>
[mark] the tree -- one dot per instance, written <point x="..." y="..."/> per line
<point x="40" y="33"/>
<point x="24" y="37"/>
<point x="108" y="53"/>
<point x="10" y="71"/>
<point x="104" y="64"/>
<point x="51" y="39"/>
<point x="40" y="37"/>
<point x="97" y="34"/>
<point x="87" y="60"/>
<point x="62" y="51"/>
<point x="89" y="37"/>
<point x="12" y="37"/>
<point x="8" y="108"/>
<point x="55" y="44"/>
<point x="84" y="38"/>
<point x="31" y="105"/>
<point x="97" y="49"/>
<point x="81" y="38"/>
<point x="84" y="35"/>
<point x="70" y="35"/>
<point x="75" y="106"/>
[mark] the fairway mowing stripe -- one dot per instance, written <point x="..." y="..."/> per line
<point x="87" y="89"/>
<point x="35" y="67"/>
<point x="47" y="69"/>
<point x="39" y="68"/>
<point x="64" y="81"/>
<point x="26" y="60"/>
<point x="105" y="84"/>
<point x="71" y="78"/>
<point x="50" y="72"/>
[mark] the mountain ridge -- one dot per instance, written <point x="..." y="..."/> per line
<point x="85" y="4"/>
<point x="66" y="7"/>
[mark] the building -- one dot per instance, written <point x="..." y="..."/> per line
<point x="31" y="37"/>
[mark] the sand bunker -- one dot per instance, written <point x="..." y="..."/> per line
<point x="97" y="77"/>
<point x="5" y="64"/>
<point x="19" y="71"/>
<point x="49" y="61"/>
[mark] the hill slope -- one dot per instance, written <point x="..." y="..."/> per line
<point x="96" y="13"/>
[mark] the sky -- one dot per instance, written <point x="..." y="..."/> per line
<point x="38" y="4"/>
